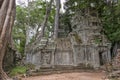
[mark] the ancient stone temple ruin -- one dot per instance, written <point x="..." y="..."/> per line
<point x="85" y="46"/>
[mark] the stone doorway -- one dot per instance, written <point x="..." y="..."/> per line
<point x="101" y="58"/>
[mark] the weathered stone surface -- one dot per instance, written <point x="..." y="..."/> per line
<point x="63" y="52"/>
<point x="116" y="61"/>
<point x="86" y="46"/>
<point x="41" y="54"/>
<point x="89" y="45"/>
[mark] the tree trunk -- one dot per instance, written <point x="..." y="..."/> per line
<point x="48" y="10"/>
<point x="6" y="22"/>
<point x="3" y="12"/>
<point x="57" y="19"/>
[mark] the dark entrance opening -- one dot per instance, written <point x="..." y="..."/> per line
<point x="101" y="58"/>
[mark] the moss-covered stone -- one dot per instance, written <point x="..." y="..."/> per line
<point x="77" y="38"/>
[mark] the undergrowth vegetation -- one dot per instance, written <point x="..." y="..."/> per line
<point x="18" y="70"/>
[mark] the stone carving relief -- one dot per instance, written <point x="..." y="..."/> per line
<point x="46" y="58"/>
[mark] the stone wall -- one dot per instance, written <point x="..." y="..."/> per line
<point x="41" y="53"/>
<point x="63" y="52"/>
<point x="116" y="61"/>
<point x="85" y="46"/>
<point x="66" y="53"/>
<point x="88" y="41"/>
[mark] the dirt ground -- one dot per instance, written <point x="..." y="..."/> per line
<point x="70" y="76"/>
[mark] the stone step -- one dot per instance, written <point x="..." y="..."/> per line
<point x="58" y="71"/>
<point x="60" y="68"/>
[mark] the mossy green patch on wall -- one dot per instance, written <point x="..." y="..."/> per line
<point x="77" y="38"/>
<point x="97" y="40"/>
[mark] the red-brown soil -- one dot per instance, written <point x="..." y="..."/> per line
<point x="70" y="76"/>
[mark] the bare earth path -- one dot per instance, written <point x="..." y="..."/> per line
<point x="70" y="76"/>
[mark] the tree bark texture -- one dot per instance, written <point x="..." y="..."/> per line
<point x="57" y="19"/>
<point x="7" y="14"/>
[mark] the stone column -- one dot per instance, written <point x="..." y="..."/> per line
<point x="96" y="59"/>
<point x="108" y="52"/>
<point x="53" y="59"/>
<point x="74" y="55"/>
<point x="109" y="55"/>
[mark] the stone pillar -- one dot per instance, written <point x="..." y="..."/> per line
<point x="74" y="56"/>
<point x="108" y="52"/>
<point x="109" y="55"/>
<point x="96" y="59"/>
<point x="53" y="59"/>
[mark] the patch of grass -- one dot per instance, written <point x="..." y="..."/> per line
<point x="18" y="70"/>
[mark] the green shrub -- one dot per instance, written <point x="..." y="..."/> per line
<point x="18" y="70"/>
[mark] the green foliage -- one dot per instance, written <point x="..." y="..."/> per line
<point x="111" y="22"/>
<point x="19" y="30"/>
<point x="65" y="22"/>
<point x="81" y="5"/>
<point x="36" y="11"/>
<point x="30" y="16"/>
<point x="18" y="70"/>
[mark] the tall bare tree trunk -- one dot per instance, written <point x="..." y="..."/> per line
<point x="57" y="18"/>
<point x="3" y="12"/>
<point x="7" y="10"/>
<point x="48" y="10"/>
